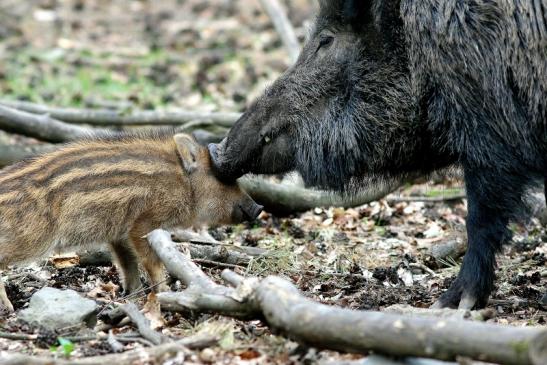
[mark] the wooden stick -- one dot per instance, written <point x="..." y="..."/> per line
<point x="151" y="355"/>
<point x="177" y="263"/>
<point x="142" y="323"/>
<point x="283" y="27"/>
<point x="106" y="117"/>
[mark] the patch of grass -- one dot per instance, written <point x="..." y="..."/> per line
<point x="65" y="78"/>
<point x="277" y="261"/>
<point x="224" y="329"/>
<point x="450" y="262"/>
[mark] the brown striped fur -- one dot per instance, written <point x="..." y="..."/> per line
<point x="112" y="191"/>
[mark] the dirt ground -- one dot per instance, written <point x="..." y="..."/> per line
<point x="219" y="55"/>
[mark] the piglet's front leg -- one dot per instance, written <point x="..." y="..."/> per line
<point x="4" y="301"/>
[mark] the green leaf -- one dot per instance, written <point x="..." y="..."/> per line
<point x="66" y="345"/>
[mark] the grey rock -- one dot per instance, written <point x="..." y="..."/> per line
<point x="54" y="309"/>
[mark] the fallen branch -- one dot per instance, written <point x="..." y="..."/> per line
<point x="450" y="249"/>
<point x="151" y="355"/>
<point x="142" y="323"/>
<point x="290" y="198"/>
<point x="107" y="117"/>
<point x="44" y="126"/>
<point x="283" y="27"/>
<point x="13" y="153"/>
<point x="426" y="199"/>
<point x="10" y="154"/>
<point x="222" y="254"/>
<point x="287" y="311"/>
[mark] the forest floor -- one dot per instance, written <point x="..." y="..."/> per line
<point x="217" y="56"/>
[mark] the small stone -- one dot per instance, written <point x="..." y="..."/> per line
<point x="207" y="355"/>
<point x="54" y="309"/>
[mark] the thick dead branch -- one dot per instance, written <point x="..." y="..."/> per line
<point x="151" y="355"/>
<point x="107" y="117"/>
<point x="452" y="248"/>
<point x="283" y="27"/>
<point x="43" y="126"/>
<point x="286" y="310"/>
<point x="341" y="329"/>
<point x="142" y="323"/>
<point x="13" y="153"/>
<point x="202" y="293"/>
<point x="223" y="254"/>
<point x="289" y="198"/>
<point x="177" y="263"/>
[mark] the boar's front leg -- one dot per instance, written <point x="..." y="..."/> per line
<point x="492" y="197"/>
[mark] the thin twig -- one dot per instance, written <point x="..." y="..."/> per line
<point x="283" y="27"/>
<point x="107" y="117"/>
<point x="142" y="323"/>
<point x="150" y="355"/>
<point x="114" y="344"/>
<point x="18" y="336"/>
<point x="218" y="264"/>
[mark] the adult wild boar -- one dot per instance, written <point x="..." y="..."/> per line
<point x="387" y="88"/>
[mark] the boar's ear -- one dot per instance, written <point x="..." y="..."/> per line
<point x="357" y="11"/>
<point x="188" y="150"/>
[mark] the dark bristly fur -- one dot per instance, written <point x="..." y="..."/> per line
<point x="112" y="191"/>
<point x="388" y="88"/>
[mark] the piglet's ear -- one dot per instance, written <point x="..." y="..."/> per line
<point x="188" y="150"/>
<point x="357" y="11"/>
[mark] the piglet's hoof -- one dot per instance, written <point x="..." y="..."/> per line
<point x="6" y="307"/>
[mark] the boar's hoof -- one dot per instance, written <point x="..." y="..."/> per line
<point x="457" y="297"/>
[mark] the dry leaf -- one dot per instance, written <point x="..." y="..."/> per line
<point x="62" y="262"/>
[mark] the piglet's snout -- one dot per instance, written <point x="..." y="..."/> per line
<point x="251" y="211"/>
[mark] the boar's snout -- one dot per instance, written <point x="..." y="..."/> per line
<point x="223" y="168"/>
<point x="218" y="168"/>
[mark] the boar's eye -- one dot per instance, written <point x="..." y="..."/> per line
<point x="267" y="139"/>
<point x="324" y="41"/>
